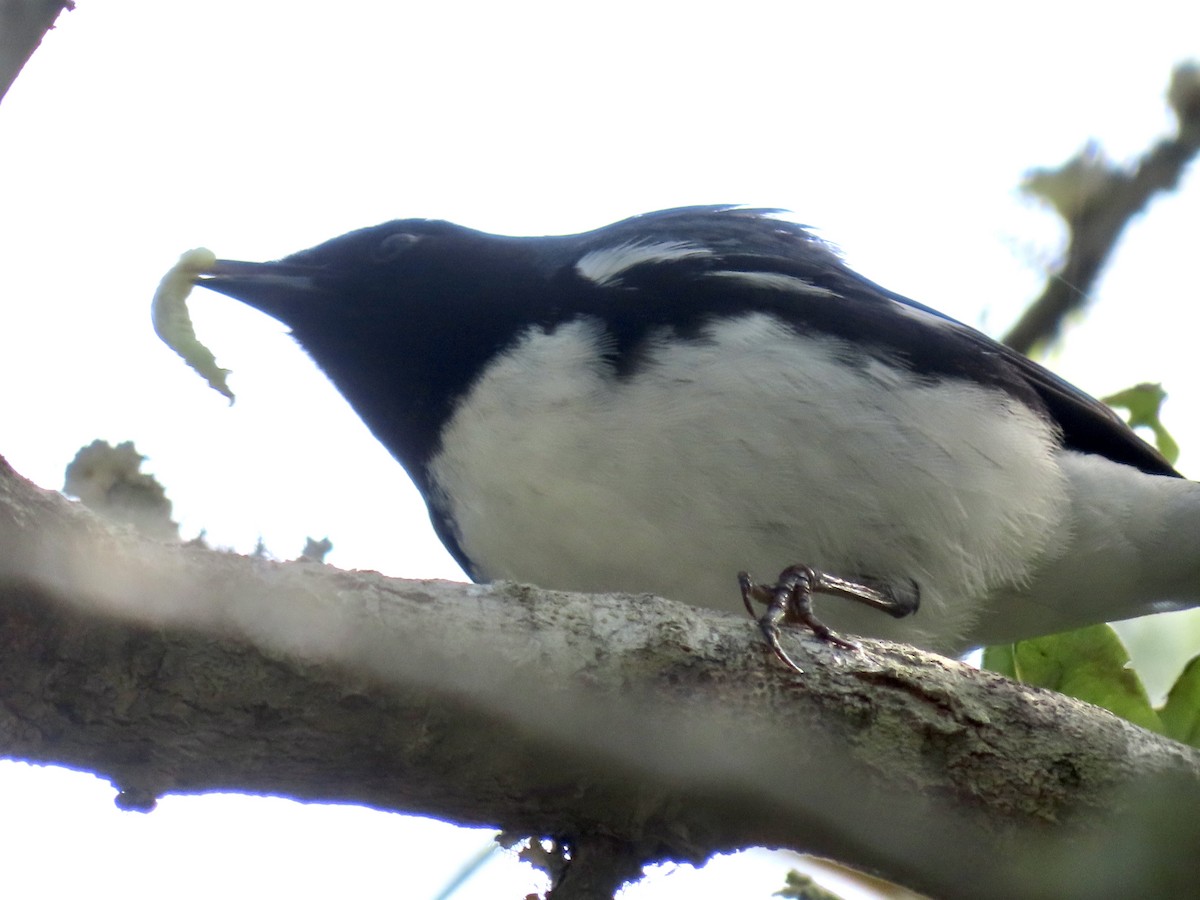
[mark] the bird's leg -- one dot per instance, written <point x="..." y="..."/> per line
<point x="790" y="600"/>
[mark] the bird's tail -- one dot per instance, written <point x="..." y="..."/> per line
<point x="1130" y="546"/>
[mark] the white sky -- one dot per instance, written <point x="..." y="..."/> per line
<point x="141" y="129"/>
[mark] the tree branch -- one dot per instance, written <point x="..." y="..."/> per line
<point x="662" y="728"/>
<point x="1097" y="201"/>
<point x="23" y="24"/>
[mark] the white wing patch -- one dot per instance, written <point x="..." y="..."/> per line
<point x="928" y="317"/>
<point x="776" y="281"/>
<point x="794" y="284"/>
<point x="604" y="267"/>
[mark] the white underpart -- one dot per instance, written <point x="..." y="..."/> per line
<point x="605" y="267"/>
<point x="755" y="450"/>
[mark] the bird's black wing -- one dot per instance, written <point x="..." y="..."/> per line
<point x="680" y="268"/>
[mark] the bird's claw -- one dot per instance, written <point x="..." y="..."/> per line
<point x="790" y="600"/>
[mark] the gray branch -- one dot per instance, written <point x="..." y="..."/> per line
<point x="1097" y="201"/>
<point x="23" y="24"/>
<point x="659" y="728"/>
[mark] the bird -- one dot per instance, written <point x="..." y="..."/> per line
<point x="666" y="404"/>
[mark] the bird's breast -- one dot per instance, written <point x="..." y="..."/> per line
<point x="750" y="447"/>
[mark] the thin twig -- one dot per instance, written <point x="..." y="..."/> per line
<point x="1098" y="200"/>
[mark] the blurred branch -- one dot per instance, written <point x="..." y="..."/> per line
<point x="633" y="728"/>
<point x="23" y="24"/>
<point x="1097" y="201"/>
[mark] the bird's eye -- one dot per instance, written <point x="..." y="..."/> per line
<point x="394" y="245"/>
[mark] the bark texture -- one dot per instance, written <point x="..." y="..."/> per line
<point x="659" y="729"/>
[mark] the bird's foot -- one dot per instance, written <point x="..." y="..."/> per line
<point x="790" y="600"/>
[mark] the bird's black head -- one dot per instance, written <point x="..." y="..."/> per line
<point x="400" y="316"/>
<point x="371" y="271"/>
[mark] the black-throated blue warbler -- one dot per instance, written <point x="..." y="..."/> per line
<point x="660" y="403"/>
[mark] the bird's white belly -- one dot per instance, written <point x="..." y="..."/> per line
<point x="754" y="448"/>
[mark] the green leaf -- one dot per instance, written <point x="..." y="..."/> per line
<point x="1002" y="660"/>
<point x="1180" y="715"/>
<point x="1144" y="403"/>
<point x="1090" y="664"/>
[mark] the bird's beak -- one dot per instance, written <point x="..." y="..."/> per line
<point x="273" y="287"/>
